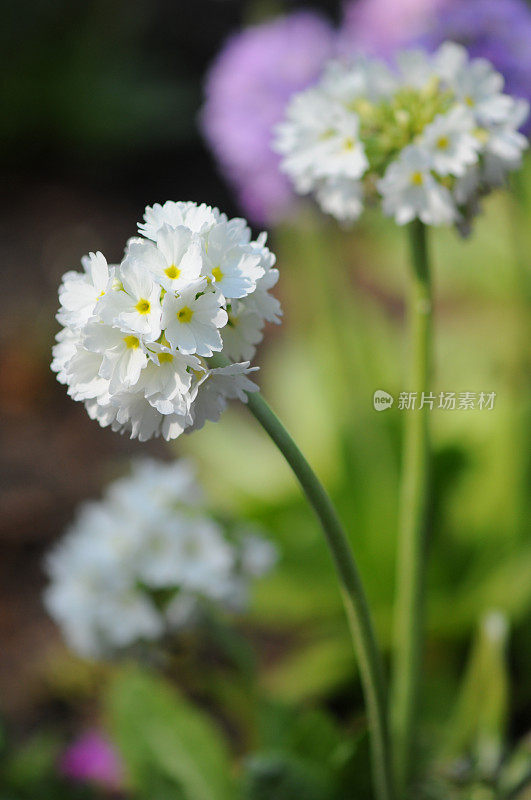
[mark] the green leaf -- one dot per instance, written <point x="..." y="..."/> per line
<point x="479" y="723"/>
<point x="34" y="762"/>
<point x="159" y="732"/>
<point x="282" y="777"/>
<point x="310" y="671"/>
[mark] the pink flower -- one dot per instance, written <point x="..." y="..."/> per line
<point x="93" y="759"/>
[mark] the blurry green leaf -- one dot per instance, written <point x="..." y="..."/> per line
<point x="486" y="585"/>
<point x="353" y="765"/>
<point x="515" y="776"/>
<point x="160" y="733"/>
<point x="479" y="721"/>
<point x="313" y="670"/>
<point x="281" y="777"/>
<point x="315" y="736"/>
<point x="34" y="762"/>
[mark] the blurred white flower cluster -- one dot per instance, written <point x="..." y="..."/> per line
<point x="136" y="335"/>
<point x="147" y="560"/>
<point x="428" y="138"/>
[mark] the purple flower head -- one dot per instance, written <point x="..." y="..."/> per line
<point x="247" y="90"/>
<point x="380" y="27"/>
<point x="92" y="759"/>
<point x="499" y="30"/>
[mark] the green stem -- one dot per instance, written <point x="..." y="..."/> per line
<point x="371" y="670"/>
<point x="354" y="598"/>
<point x="411" y="554"/>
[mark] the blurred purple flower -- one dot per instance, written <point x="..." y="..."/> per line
<point x="499" y="30"/>
<point x="247" y="89"/>
<point x="92" y="759"/>
<point x="380" y="27"/>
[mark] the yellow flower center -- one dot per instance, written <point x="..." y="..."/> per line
<point x="443" y="143"/>
<point x="350" y="144"/>
<point x="185" y="314"/>
<point x="143" y="306"/>
<point x="217" y="274"/>
<point x="482" y="135"/>
<point x="172" y="272"/>
<point x="417" y="179"/>
<point x="131" y="342"/>
<point x="165" y="358"/>
<point x="470" y="101"/>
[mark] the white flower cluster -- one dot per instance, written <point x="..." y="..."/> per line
<point x="146" y="560"/>
<point x="428" y="138"/>
<point x="136" y="335"/>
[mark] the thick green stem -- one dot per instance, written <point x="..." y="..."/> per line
<point x="411" y="555"/>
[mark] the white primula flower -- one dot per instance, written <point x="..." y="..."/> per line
<point x="123" y="354"/>
<point x="146" y="561"/>
<point x="215" y="387"/>
<point x="143" y="421"/>
<point x="135" y="335"/>
<point x="63" y="350"/>
<point x="79" y="292"/>
<point x="360" y="78"/>
<point x="416" y="68"/>
<point x="410" y="191"/>
<point x="133" y="304"/>
<point x="197" y="219"/>
<point x="167" y="379"/>
<point x="451" y="142"/>
<point x="261" y="301"/>
<point x="349" y="139"/>
<point x="300" y="137"/>
<point x="341" y="151"/>
<point x="233" y="268"/>
<point x="449" y="61"/>
<point x="504" y="144"/>
<point x="83" y="375"/>
<point x="341" y="197"/>
<point x="174" y="261"/>
<point x="192" y="318"/>
<point x="242" y="332"/>
<point x="480" y="88"/>
<point x="164" y="485"/>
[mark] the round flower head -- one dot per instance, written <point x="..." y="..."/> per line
<point x="146" y="561"/>
<point x="247" y="90"/>
<point x="427" y="138"/>
<point x="136" y="335"/>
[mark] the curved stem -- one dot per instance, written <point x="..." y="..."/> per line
<point x="354" y="598"/>
<point x="411" y="555"/>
